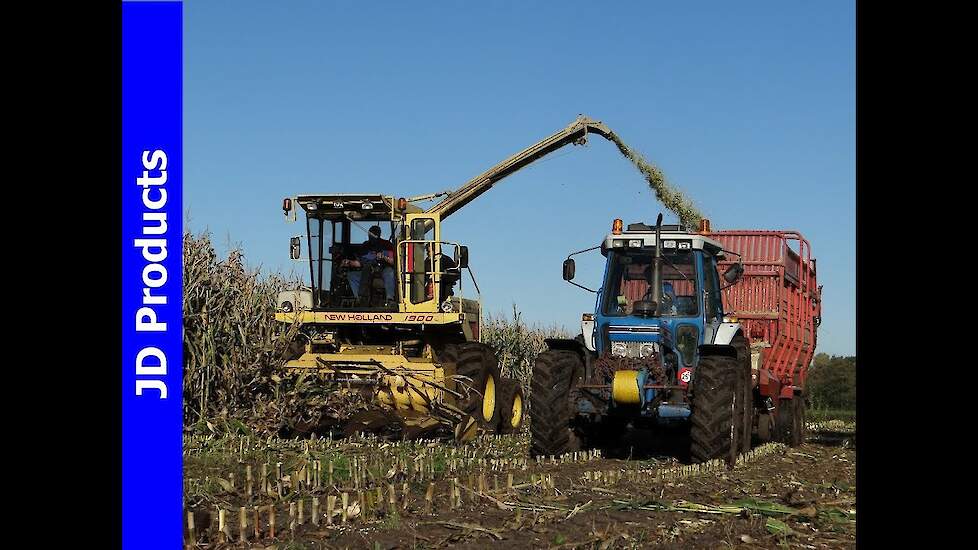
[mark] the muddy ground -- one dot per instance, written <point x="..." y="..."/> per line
<point x="802" y="497"/>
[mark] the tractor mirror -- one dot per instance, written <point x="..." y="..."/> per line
<point x="463" y="257"/>
<point x="733" y="273"/>
<point x="295" y="251"/>
<point x="569" y="269"/>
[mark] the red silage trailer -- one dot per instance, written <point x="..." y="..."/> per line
<point x="778" y="301"/>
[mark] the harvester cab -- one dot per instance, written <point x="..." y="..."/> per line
<point x="657" y="349"/>
<point x="405" y="268"/>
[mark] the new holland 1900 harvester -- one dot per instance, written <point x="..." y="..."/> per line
<point x="683" y="332"/>
<point x="418" y="355"/>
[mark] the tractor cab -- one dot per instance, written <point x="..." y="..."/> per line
<point x="659" y="301"/>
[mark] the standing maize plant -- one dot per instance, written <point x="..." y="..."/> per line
<point x="234" y="352"/>
<point x="517" y="345"/>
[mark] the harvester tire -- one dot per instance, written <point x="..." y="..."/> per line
<point x="747" y="424"/>
<point x="550" y="429"/>
<point x="716" y="409"/>
<point x="512" y="406"/>
<point x="478" y="362"/>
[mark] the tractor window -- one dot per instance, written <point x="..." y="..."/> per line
<point x="418" y="264"/>
<point x="711" y="283"/>
<point x="320" y="264"/>
<point x="630" y="278"/>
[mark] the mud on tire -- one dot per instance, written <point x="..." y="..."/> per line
<point x="716" y="409"/>
<point x="550" y="430"/>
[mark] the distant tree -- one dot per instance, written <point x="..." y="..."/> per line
<point x="831" y="382"/>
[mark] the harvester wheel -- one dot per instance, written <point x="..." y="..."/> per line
<point x="511" y="406"/>
<point x="716" y="409"/>
<point x="747" y="425"/>
<point x="550" y="429"/>
<point x="477" y="361"/>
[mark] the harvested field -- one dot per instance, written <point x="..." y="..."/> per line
<point x="427" y="494"/>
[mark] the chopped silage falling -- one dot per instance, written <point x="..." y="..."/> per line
<point x="670" y="197"/>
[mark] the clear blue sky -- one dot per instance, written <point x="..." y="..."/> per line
<point x="747" y="107"/>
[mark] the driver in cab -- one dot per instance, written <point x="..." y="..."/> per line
<point x="376" y="253"/>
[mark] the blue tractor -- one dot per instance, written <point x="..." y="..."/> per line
<point x="658" y="349"/>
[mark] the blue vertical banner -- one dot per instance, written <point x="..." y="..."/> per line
<point x="152" y="164"/>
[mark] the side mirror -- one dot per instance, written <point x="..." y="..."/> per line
<point x="733" y="273"/>
<point x="569" y="269"/>
<point x="295" y="250"/>
<point x="463" y="257"/>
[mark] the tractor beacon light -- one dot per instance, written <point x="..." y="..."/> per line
<point x="704" y="226"/>
<point x="616" y="227"/>
<point x="287" y="205"/>
<point x="402" y="204"/>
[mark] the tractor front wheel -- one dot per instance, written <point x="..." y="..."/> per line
<point x="550" y="429"/>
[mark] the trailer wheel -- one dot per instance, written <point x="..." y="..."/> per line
<point x="715" y="409"/>
<point x="786" y="421"/>
<point x="550" y="385"/>
<point x="478" y="362"/>
<point x="511" y="406"/>
<point x="798" y="418"/>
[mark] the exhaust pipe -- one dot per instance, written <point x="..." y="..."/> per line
<point x="657" y="268"/>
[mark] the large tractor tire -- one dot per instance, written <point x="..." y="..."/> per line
<point x="550" y="430"/>
<point x="476" y="361"/>
<point x="716" y="409"/>
<point x="798" y="418"/>
<point x="747" y="416"/>
<point x="511" y="406"/>
<point x="790" y="421"/>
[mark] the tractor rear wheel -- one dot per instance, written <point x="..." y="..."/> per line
<point x="550" y="429"/>
<point x="511" y="406"/>
<point x="715" y="409"/>
<point x="747" y="393"/>
<point x="476" y="361"/>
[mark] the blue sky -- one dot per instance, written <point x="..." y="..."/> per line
<point x="749" y="108"/>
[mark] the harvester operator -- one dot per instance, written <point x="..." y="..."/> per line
<point x="375" y="253"/>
